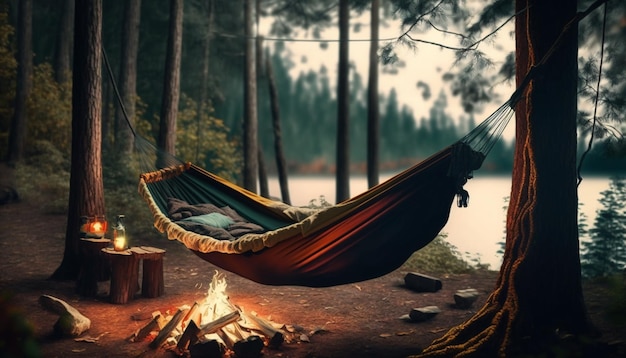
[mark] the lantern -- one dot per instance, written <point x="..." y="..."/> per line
<point x="93" y="226"/>
<point x="119" y="235"/>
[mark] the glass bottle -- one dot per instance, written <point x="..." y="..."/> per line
<point x="119" y="235"/>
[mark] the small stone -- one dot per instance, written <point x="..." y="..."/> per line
<point x="422" y="283"/>
<point x="423" y="313"/>
<point x="465" y="298"/>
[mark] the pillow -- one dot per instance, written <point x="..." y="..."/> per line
<point x="213" y="219"/>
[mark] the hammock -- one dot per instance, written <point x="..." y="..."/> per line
<point x="362" y="238"/>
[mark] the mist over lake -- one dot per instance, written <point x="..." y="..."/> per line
<point x="475" y="231"/>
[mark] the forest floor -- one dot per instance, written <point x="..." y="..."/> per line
<point x="351" y="320"/>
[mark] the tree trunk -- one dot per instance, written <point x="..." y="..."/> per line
<point x="17" y="134"/>
<point x="373" y="113"/>
<point x="86" y="188"/>
<point x="264" y="189"/>
<point x="203" y="99"/>
<point x="343" y="106"/>
<point x="250" y="119"/>
<point x="62" y="64"/>
<point x="127" y="78"/>
<point x="538" y="297"/>
<point x="281" y="165"/>
<point x="171" y="83"/>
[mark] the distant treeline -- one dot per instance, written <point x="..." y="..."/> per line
<point x="309" y="124"/>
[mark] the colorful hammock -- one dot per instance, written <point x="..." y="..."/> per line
<point x="362" y="238"/>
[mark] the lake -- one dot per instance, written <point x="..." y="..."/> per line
<point x="476" y="230"/>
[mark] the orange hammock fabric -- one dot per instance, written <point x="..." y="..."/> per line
<point x="364" y="237"/>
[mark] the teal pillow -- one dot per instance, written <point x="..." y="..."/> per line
<point x="213" y="219"/>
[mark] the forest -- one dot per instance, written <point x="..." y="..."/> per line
<point x="307" y="103"/>
<point x="199" y="86"/>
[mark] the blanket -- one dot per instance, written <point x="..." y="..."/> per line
<point x="183" y="213"/>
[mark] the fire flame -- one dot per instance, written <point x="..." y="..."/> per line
<point x="216" y="303"/>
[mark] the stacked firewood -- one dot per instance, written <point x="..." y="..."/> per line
<point x="243" y="333"/>
<point x="212" y="328"/>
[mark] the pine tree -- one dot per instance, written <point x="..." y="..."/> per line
<point x="605" y="253"/>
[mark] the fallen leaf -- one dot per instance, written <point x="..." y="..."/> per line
<point x="385" y="335"/>
<point x="304" y="338"/>
<point x="405" y="333"/>
<point x="317" y="330"/>
<point x="437" y="330"/>
<point x="90" y="339"/>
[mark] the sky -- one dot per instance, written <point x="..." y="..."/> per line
<point x="427" y="63"/>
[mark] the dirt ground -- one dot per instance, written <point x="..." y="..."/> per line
<point x="345" y="321"/>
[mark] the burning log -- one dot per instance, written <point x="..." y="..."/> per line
<point x="189" y="337"/>
<point x="215" y="325"/>
<point x="192" y="315"/>
<point x="210" y="327"/>
<point x="144" y="331"/>
<point x="276" y="337"/>
<point x="169" y="327"/>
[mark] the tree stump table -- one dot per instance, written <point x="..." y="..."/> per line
<point x="93" y="266"/>
<point x="124" y="274"/>
<point x="152" y="282"/>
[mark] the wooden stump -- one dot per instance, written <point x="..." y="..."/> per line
<point x="93" y="266"/>
<point x="124" y="275"/>
<point x="152" y="283"/>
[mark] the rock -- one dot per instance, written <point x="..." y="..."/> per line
<point x="71" y="323"/>
<point x="422" y="283"/>
<point x="250" y="347"/>
<point x="423" y="313"/>
<point x="209" y="349"/>
<point x="465" y="298"/>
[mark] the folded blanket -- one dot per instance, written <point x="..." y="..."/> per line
<point x="193" y="218"/>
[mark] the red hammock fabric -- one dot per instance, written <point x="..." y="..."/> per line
<point x="380" y="233"/>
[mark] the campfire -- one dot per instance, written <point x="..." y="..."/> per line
<point x="214" y="327"/>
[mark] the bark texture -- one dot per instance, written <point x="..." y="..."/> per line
<point x="343" y="105"/>
<point x="17" y="134"/>
<point x="281" y="162"/>
<point x="86" y="187"/>
<point x="63" y="63"/>
<point x="128" y="78"/>
<point x="250" y="120"/>
<point x="538" y="295"/>
<point x="171" y="81"/>
<point x="373" y="112"/>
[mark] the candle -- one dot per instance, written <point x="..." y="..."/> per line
<point x="119" y="243"/>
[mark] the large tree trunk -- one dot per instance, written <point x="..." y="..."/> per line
<point x="281" y="165"/>
<point x="62" y="61"/>
<point x="171" y="82"/>
<point x="86" y="187"/>
<point x="127" y="78"/>
<point x="343" y="106"/>
<point x="373" y="113"/>
<point x="250" y="120"/>
<point x="538" y="296"/>
<point x="17" y="134"/>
